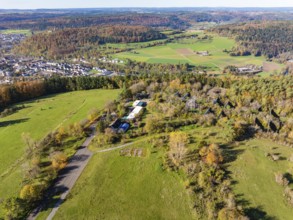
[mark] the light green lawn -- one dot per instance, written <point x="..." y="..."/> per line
<point x="116" y="187"/>
<point x="39" y="118"/>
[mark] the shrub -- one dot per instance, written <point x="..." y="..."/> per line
<point x="281" y="179"/>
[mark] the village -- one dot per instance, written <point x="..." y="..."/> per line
<point x="9" y="40"/>
<point x="12" y="68"/>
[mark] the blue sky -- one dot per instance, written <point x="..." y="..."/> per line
<point x="30" y="4"/>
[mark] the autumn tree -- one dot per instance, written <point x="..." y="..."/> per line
<point x="31" y="192"/>
<point x="178" y="146"/>
<point x="212" y="154"/>
<point x="58" y="160"/>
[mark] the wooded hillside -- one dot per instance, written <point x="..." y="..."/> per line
<point x="67" y="41"/>
<point x="263" y="38"/>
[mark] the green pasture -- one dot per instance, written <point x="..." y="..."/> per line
<point x="38" y="118"/>
<point x="184" y="51"/>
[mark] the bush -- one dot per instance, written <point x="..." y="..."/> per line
<point x="281" y="179"/>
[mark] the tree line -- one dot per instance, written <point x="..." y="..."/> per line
<point x="49" y="21"/>
<point x="22" y="91"/>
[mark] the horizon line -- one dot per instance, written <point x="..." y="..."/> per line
<point x="148" y="7"/>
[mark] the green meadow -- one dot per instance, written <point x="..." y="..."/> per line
<point x="254" y="178"/>
<point x="184" y="51"/>
<point x="38" y="118"/>
<point x="118" y="187"/>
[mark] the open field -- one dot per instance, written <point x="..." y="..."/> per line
<point x="38" y="118"/>
<point x="117" y="187"/>
<point x="254" y="178"/>
<point x="12" y="31"/>
<point x="184" y="51"/>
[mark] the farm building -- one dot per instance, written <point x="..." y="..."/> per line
<point x="203" y="53"/>
<point x="115" y="124"/>
<point x="249" y="69"/>
<point x="134" y="113"/>
<point x="139" y="103"/>
<point x="123" y="127"/>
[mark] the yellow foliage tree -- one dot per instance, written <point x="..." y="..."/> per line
<point x="31" y="192"/>
<point x="59" y="160"/>
<point x="212" y="154"/>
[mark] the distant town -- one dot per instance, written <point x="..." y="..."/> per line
<point x="12" y="68"/>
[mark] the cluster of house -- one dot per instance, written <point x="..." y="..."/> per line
<point x="114" y="61"/>
<point x="11" y="66"/>
<point x="105" y="72"/>
<point x="249" y="69"/>
<point x="7" y="41"/>
<point x="121" y="125"/>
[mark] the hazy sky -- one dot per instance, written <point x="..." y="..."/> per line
<point x="29" y="4"/>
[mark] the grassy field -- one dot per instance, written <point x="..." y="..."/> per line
<point x="255" y="181"/>
<point x="38" y="118"/>
<point x="117" y="187"/>
<point x="183" y="51"/>
<point x="16" y="31"/>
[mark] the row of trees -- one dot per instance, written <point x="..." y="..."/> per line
<point x="21" y="91"/>
<point x="43" y="160"/>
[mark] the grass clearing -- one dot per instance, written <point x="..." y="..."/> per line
<point x="38" y="118"/>
<point x="255" y="180"/>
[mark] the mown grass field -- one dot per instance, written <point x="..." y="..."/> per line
<point x="255" y="181"/>
<point x="38" y="118"/>
<point x="183" y="51"/>
<point x="118" y="187"/>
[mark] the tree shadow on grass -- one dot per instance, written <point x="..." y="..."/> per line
<point x="230" y="153"/>
<point x="253" y="213"/>
<point x="12" y="122"/>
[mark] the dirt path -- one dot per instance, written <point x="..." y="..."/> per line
<point x="114" y="148"/>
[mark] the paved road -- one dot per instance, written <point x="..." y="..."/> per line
<point x="68" y="177"/>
